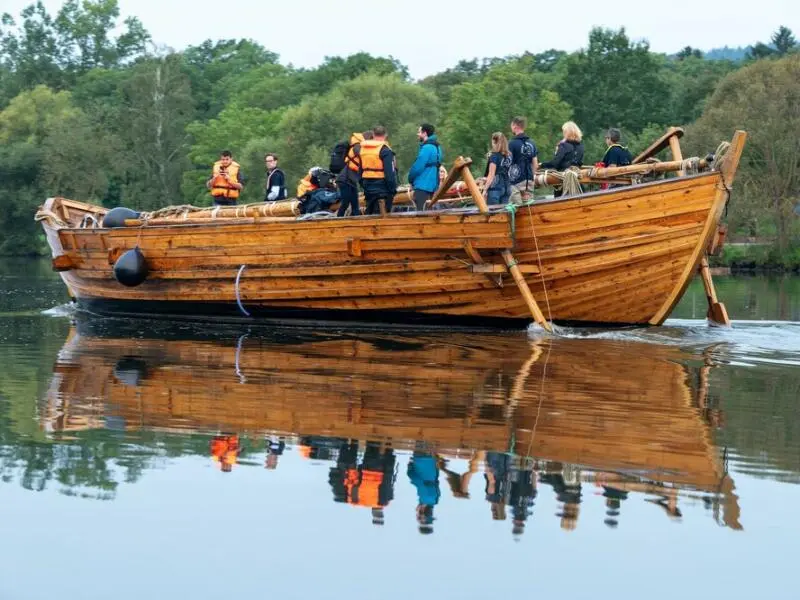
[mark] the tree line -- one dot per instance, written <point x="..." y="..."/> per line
<point x="92" y="109"/>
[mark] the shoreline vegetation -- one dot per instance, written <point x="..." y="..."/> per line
<point x="92" y="109"/>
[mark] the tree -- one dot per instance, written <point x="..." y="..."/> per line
<point x="30" y="115"/>
<point x="615" y="82"/>
<point x="84" y="29"/>
<point x="689" y="52"/>
<point x="307" y="132"/>
<point x="784" y="41"/>
<point x="691" y="81"/>
<point x="478" y="108"/>
<point x="31" y="53"/>
<point x="157" y="107"/>
<point x="764" y="99"/>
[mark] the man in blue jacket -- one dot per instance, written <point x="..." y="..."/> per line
<point x="424" y="173"/>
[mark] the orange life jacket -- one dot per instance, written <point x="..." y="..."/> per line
<point x="353" y="158"/>
<point x="371" y="163"/>
<point x="224" y="450"/>
<point x="220" y="188"/>
<point x="305" y="186"/>
<point x="363" y="488"/>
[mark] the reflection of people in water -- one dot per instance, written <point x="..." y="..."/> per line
<point x="423" y="472"/>
<point x="459" y="483"/>
<point x="568" y="491"/>
<point x="225" y="450"/>
<point x="522" y="494"/>
<point x="497" y="467"/>
<point x="370" y="484"/>
<point x="614" y="498"/>
<point x="275" y="448"/>
<point x="510" y="480"/>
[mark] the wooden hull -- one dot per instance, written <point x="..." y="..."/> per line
<point x="608" y="405"/>
<point x="614" y="257"/>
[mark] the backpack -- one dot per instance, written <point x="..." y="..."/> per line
<point x="339" y="157"/>
<point x="521" y="170"/>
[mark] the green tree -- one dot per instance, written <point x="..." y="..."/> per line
<point x="31" y="114"/>
<point x="307" y="132"/>
<point x="763" y="99"/>
<point x="157" y="107"/>
<point x="30" y="53"/>
<point x="692" y="80"/>
<point x="478" y="108"/>
<point x="85" y="35"/>
<point x="615" y="82"/>
<point x="784" y="41"/>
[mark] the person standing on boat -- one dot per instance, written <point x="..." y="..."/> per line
<point x="497" y="188"/>
<point x="348" y="178"/>
<point x="226" y="181"/>
<point x="569" y="152"/>
<point x="424" y="173"/>
<point x="524" y="162"/>
<point x="378" y="172"/>
<point x="616" y="154"/>
<point x="276" y="180"/>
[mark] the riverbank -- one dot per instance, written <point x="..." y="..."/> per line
<point x="757" y="258"/>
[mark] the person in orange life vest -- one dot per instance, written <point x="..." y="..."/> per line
<point x="378" y="172"/>
<point x="370" y="484"/>
<point x="347" y="180"/>
<point x="225" y="450"/>
<point x="226" y="181"/>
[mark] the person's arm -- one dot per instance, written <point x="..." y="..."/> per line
<point x="607" y="158"/>
<point x="489" y="178"/>
<point x="389" y="174"/>
<point x="558" y="158"/>
<point x="239" y="184"/>
<point x="418" y="166"/>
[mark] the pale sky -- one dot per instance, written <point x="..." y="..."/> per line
<point x="430" y="36"/>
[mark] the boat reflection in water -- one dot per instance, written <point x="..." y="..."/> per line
<point x="521" y="413"/>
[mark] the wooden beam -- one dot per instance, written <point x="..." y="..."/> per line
<point x="731" y="161"/>
<point x="659" y="145"/>
<point x="354" y="247"/>
<point x="451" y="178"/>
<point x="513" y="267"/>
<point x="675" y="148"/>
<point x="473" y="188"/>
<point x="717" y="314"/>
<point x="496" y="268"/>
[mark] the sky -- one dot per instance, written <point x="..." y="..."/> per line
<point x="430" y="36"/>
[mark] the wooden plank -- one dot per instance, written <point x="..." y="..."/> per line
<point x="659" y="145"/>
<point x="62" y="262"/>
<point x="496" y="268"/>
<point x="354" y="247"/>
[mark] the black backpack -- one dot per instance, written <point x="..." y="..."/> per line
<point x="521" y="170"/>
<point x="339" y="157"/>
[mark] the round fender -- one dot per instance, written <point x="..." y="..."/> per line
<point x="116" y="216"/>
<point x="131" y="268"/>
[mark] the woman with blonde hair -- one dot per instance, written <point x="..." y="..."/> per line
<point x="569" y="152"/>
<point x="497" y="188"/>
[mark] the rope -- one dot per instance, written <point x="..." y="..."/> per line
<point x="52" y="218"/>
<point x="719" y="155"/>
<point x="572" y="183"/>
<point x="541" y="396"/>
<point x="691" y="166"/>
<point x="86" y="219"/>
<point x="541" y="269"/>
<point x="238" y="297"/>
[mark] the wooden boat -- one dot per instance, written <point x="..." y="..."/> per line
<point x="634" y="413"/>
<point x="618" y="256"/>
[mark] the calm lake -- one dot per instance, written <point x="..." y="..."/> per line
<point x="153" y="459"/>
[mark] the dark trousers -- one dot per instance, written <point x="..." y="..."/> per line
<point x="220" y="201"/>
<point x="421" y="197"/>
<point x="373" y="203"/>
<point x="348" y="195"/>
